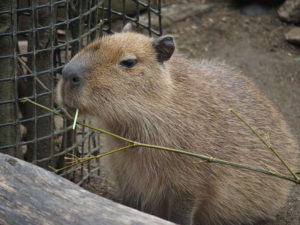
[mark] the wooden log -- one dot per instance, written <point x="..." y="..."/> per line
<point x="32" y="195"/>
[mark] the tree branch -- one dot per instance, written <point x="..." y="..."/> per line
<point x="134" y="144"/>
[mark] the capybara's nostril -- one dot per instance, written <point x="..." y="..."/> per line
<point x="72" y="76"/>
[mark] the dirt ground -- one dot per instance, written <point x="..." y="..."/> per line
<point x="255" y="45"/>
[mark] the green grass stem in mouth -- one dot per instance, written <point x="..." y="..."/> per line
<point x="75" y="119"/>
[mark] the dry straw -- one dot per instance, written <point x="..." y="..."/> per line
<point x="74" y="160"/>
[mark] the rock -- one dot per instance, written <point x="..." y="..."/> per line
<point x="178" y="12"/>
<point x="290" y="11"/>
<point x="254" y="9"/>
<point x="293" y="36"/>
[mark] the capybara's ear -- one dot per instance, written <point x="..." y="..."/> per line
<point x="164" y="47"/>
<point x="128" y="28"/>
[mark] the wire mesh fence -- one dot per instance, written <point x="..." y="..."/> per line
<point x="37" y="38"/>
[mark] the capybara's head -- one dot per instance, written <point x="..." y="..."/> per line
<point x="117" y="74"/>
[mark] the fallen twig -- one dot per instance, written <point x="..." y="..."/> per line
<point x="134" y="144"/>
<point x="268" y="145"/>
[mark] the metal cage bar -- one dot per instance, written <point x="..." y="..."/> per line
<point x="39" y="38"/>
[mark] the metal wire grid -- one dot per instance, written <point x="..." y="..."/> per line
<point x="39" y="37"/>
<point x="152" y="9"/>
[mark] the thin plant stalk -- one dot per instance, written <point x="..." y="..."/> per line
<point x="77" y="160"/>
<point x="268" y="145"/>
<point x="134" y="144"/>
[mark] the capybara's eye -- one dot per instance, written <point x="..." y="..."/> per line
<point x="128" y="63"/>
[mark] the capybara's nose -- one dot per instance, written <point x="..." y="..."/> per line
<point x="72" y="75"/>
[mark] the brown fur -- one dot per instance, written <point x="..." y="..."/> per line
<point x="182" y="104"/>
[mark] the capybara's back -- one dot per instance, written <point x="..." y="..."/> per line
<point x="137" y="88"/>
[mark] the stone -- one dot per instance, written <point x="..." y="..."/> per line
<point x="178" y="12"/>
<point x="290" y="11"/>
<point x="293" y="36"/>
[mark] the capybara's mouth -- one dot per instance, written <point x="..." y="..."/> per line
<point x="70" y="111"/>
<point x="69" y="106"/>
<point x="65" y="99"/>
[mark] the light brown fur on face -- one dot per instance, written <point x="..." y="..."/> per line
<point x="181" y="104"/>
